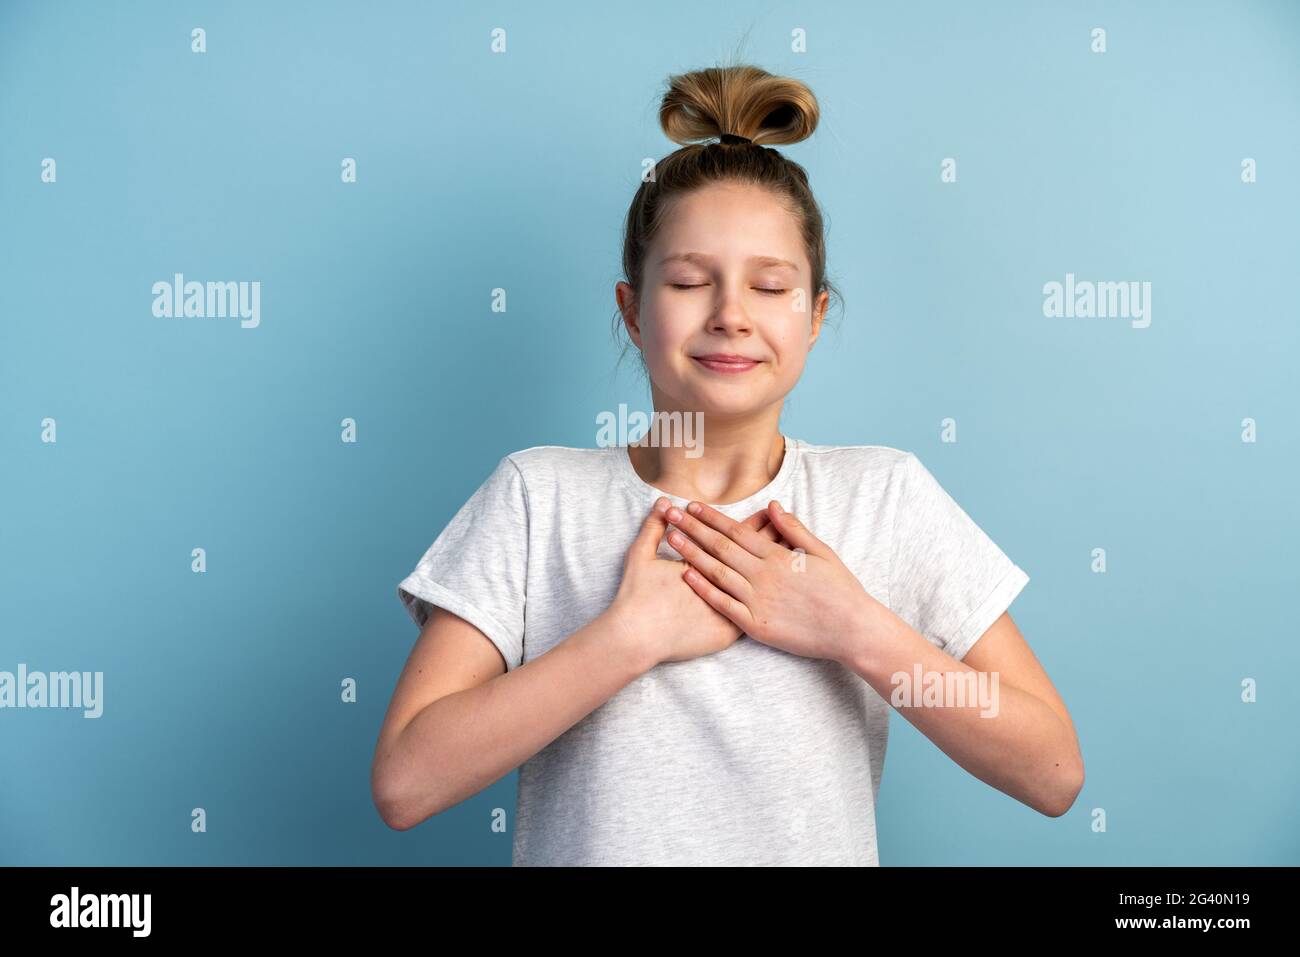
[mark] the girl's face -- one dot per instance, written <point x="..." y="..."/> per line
<point x="725" y="278"/>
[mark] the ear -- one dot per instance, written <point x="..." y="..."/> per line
<point x="819" y="313"/>
<point x="627" y="300"/>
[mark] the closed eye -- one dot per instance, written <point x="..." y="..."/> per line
<point x="771" y="292"/>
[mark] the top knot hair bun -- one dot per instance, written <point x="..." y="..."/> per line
<point x="737" y="101"/>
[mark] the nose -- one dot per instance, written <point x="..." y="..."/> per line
<point x="730" y="316"/>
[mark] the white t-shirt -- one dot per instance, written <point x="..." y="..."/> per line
<point x="751" y="755"/>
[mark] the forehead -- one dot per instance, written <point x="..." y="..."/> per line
<point x="730" y="223"/>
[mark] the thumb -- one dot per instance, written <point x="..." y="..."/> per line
<point x="645" y="547"/>
<point x="760" y="523"/>
<point x="795" y="532"/>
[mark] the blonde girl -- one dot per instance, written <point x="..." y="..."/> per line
<point x="691" y="658"/>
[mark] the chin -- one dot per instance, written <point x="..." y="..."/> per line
<point x="714" y="404"/>
<point x="701" y="392"/>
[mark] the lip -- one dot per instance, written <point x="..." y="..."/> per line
<point x="726" y="362"/>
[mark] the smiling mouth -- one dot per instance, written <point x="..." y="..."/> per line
<point x="728" y="364"/>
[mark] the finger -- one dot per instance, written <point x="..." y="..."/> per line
<point x="726" y="605"/>
<point x="762" y="524"/>
<point x="721" y="574"/>
<point x="646" y="544"/>
<point x="735" y="530"/>
<point x="796" y="533"/>
<point x="731" y="542"/>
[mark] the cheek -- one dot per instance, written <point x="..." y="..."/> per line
<point x="656" y="344"/>
<point x="663" y="327"/>
<point x="792" y="353"/>
<point x="793" y="368"/>
<point x="789" y="339"/>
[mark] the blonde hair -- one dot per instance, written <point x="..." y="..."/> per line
<point x="697" y="109"/>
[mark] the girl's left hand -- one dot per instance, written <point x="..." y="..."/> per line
<point x="801" y="598"/>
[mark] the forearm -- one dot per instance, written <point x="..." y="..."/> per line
<point x="1019" y="746"/>
<point x="465" y="741"/>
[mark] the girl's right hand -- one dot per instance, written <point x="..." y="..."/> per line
<point x="658" y="610"/>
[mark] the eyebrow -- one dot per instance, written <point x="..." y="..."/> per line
<point x="704" y="259"/>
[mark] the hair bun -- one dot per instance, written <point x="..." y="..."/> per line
<point x="744" y="100"/>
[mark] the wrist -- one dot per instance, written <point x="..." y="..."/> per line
<point x="871" y="630"/>
<point x="635" y="649"/>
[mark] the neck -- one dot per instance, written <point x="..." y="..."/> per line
<point x="739" y="457"/>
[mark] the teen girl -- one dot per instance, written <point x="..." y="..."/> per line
<point x="690" y="658"/>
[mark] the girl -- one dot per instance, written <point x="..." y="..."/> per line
<point x="722" y="696"/>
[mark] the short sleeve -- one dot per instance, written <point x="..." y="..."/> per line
<point x="948" y="579"/>
<point x="477" y="567"/>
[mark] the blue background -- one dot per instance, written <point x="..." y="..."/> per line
<point x="479" y="170"/>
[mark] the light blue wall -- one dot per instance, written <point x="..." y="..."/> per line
<point x="479" y="170"/>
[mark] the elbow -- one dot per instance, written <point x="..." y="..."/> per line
<point x="389" y="799"/>
<point x="390" y="813"/>
<point x="400" y="806"/>
<point x="1067" y="789"/>
<point x="389" y="807"/>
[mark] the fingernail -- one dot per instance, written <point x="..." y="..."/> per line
<point x="777" y="505"/>
<point x="661" y="503"/>
<point x="675" y="514"/>
<point x="693" y="508"/>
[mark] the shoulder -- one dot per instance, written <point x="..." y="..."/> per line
<point x="874" y="462"/>
<point x="541" y="467"/>
<point x="559" y="457"/>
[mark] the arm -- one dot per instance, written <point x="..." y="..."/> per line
<point x="798" y="602"/>
<point x="1028" y="750"/>
<point x="458" y="721"/>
